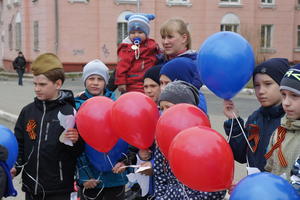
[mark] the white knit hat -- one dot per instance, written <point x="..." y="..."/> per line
<point x="95" y="67"/>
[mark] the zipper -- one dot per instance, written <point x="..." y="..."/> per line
<point x="60" y="171"/>
<point x="47" y="130"/>
<point x="38" y="150"/>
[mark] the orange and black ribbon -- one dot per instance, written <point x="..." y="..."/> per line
<point x="254" y="135"/>
<point x="30" y="128"/>
<point x="281" y="132"/>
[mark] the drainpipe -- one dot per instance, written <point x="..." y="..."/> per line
<point x="138" y="6"/>
<point x="56" y="26"/>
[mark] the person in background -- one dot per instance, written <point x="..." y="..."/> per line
<point x="151" y="83"/>
<point x="46" y="161"/>
<point x="137" y="53"/>
<point x="262" y="122"/>
<point x="284" y="146"/>
<point x="19" y="65"/>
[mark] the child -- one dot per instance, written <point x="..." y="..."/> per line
<point x="137" y="53"/>
<point x="261" y="123"/>
<point x="93" y="183"/>
<point x="184" y="69"/>
<point x="284" y="147"/>
<point x="48" y="165"/>
<point x="151" y="82"/>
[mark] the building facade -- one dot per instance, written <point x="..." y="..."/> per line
<point x="81" y="30"/>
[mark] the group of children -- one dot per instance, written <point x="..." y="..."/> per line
<point x="268" y="141"/>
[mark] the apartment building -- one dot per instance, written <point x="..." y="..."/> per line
<point x="81" y="30"/>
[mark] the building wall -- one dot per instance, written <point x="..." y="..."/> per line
<point x="86" y="31"/>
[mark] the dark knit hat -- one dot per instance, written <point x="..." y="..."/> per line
<point x="274" y="67"/>
<point x="153" y="73"/>
<point x="182" y="68"/>
<point x="291" y="80"/>
<point x="180" y="92"/>
<point x="44" y="63"/>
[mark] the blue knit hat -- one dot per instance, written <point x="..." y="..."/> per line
<point x="274" y="67"/>
<point x="291" y="80"/>
<point x="182" y="68"/>
<point x="139" y="22"/>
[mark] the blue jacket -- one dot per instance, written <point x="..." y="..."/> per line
<point x="85" y="170"/>
<point x="266" y="119"/>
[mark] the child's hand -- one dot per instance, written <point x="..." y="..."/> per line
<point x="118" y="168"/>
<point x="147" y="172"/>
<point x="90" y="183"/>
<point x="72" y="134"/>
<point x="229" y="108"/>
<point x="122" y="88"/>
<point x="13" y="172"/>
<point x="145" y="154"/>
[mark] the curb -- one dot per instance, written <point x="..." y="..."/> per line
<point x="8" y="117"/>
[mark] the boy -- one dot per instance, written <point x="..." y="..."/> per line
<point x="48" y="165"/>
<point x="92" y="182"/>
<point x="137" y="53"/>
<point x="262" y="122"/>
<point x="284" y="147"/>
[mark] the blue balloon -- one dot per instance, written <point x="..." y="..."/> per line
<point x="9" y="141"/>
<point x="104" y="161"/>
<point x="264" y="186"/>
<point x="226" y="63"/>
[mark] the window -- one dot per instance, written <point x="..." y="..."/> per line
<point x="266" y="36"/>
<point x="10" y="37"/>
<point x="230" y="1"/>
<point x="36" y="36"/>
<point x="298" y="37"/>
<point x="18" y="36"/>
<point x="267" y="1"/>
<point x="230" y="22"/>
<point x="122" y="27"/>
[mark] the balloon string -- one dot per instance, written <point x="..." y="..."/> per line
<point x="183" y="190"/>
<point x="230" y="132"/>
<point x="109" y="161"/>
<point x="243" y="132"/>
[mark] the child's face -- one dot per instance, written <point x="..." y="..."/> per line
<point x="291" y="104"/>
<point x="137" y="34"/>
<point x="151" y="89"/>
<point x="46" y="89"/>
<point x="266" y="90"/>
<point x="164" y="81"/>
<point x="95" y="85"/>
<point x="164" y="105"/>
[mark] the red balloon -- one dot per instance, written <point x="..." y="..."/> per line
<point x="176" y="119"/>
<point x="93" y="121"/>
<point x="201" y="158"/>
<point x="134" y="117"/>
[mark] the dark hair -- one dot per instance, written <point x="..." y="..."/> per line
<point x="55" y="74"/>
<point x="20" y="52"/>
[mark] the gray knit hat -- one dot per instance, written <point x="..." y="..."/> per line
<point x="95" y="67"/>
<point x="180" y="92"/>
<point x="291" y="80"/>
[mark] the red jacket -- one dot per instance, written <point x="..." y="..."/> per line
<point x="130" y="71"/>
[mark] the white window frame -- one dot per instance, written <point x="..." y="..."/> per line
<point x="266" y="36"/>
<point x="230" y="22"/>
<point x="230" y="3"/>
<point x="126" y="2"/>
<point x="122" y="24"/>
<point x="266" y="4"/>
<point x="178" y="3"/>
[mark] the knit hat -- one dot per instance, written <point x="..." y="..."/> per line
<point x="95" y="67"/>
<point x="180" y="92"/>
<point x="153" y="73"/>
<point x="182" y="68"/>
<point x="291" y="80"/>
<point x="274" y="67"/>
<point x="44" y="63"/>
<point x="139" y="22"/>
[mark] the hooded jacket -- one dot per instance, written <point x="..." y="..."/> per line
<point x="265" y="120"/>
<point x="49" y="165"/>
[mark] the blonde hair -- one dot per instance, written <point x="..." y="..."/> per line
<point x="176" y="25"/>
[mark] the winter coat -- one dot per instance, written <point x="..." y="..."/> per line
<point x="262" y="122"/>
<point x="49" y="165"/>
<point x="19" y="63"/>
<point x="168" y="187"/>
<point x="85" y="169"/>
<point x="290" y="147"/>
<point x="130" y="70"/>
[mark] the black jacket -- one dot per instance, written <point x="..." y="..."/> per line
<point x="3" y="177"/>
<point x="46" y="160"/>
<point x="19" y="63"/>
